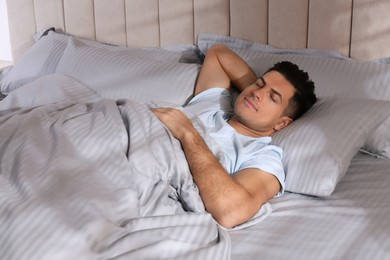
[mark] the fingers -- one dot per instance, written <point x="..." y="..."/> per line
<point x="175" y="120"/>
<point x="163" y="112"/>
<point x="167" y="112"/>
<point x="170" y="117"/>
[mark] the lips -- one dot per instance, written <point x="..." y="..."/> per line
<point x="250" y="103"/>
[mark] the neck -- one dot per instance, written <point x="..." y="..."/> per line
<point x="244" y="130"/>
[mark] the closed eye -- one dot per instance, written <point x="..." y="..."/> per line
<point x="276" y="96"/>
<point x="259" y="84"/>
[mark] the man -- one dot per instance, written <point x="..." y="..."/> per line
<point x="233" y="193"/>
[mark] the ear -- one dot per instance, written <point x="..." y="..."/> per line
<point x="282" y="123"/>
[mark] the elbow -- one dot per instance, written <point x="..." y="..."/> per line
<point x="230" y="215"/>
<point x="234" y="217"/>
<point x="218" y="48"/>
<point x="226" y="222"/>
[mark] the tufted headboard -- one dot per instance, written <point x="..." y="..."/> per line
<point x="356" y="28"/>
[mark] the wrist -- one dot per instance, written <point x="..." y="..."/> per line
<point x="190" y="137"/>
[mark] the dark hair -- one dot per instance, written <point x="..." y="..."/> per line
<point x="304" y="96"/>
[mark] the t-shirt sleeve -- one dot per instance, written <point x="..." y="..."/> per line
<point x="268" y="159"/>
<point x="210" y="101"/>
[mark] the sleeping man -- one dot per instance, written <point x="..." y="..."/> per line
<point x="252" y="172"/>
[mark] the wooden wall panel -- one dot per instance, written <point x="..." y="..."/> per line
<point x="211" y="17"/>
<point x="80" y="18"/>
<point x="249" y="19"/>
<point x="359" y="28"/>
<point x="49" y="14"/>
<point x="330" y="25"/>
<point x="142" y="23"/>
<point x="370" y="29"/>
<point x="176" y="22"/>
<point x="21" y="25"/>
<point x="288" y="21"/>
<point x="113" y="32"/>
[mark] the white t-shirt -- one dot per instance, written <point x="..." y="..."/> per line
<point x="214" y="108"/>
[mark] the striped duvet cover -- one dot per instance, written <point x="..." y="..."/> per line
<point x="88" y="178"/>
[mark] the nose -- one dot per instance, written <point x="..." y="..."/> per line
<point x="258" y="94"/>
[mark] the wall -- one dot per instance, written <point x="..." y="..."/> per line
<point x="5" y="46"/>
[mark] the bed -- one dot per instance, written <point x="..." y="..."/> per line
<point x="87" y="171"/>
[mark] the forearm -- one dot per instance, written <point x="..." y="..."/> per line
<point x="223" y="68"/>
<point x="238" y="71"/>
<point x="228" y="202"/>
<point x="224" y="196"/>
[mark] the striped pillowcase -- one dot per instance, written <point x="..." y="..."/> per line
<point x="319" y="146"/>
<point x="130" y="73"/>
<point x="41" y="59"/>
<point x="333" y="74"/>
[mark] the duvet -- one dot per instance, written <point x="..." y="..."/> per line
<point x="84" y="177"/>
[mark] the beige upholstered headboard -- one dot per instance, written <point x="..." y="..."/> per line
<point x="356" y="28"/>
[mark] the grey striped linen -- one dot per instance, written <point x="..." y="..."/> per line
<point x="318" y="147"/>
<point x="88" y="178"/>
<point x="41" y="59"/>
<point x="353" y="223"/>
<point x="136" y="74"/>
<point x="333" y="74"/>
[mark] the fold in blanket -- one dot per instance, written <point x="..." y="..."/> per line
<point x="88" y="178"/>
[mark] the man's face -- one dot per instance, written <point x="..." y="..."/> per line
<point x="260" y="106"/>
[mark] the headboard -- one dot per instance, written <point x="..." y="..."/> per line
<point x="359" y="29"/>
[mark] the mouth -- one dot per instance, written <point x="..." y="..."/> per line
<point x="250" y="103"/>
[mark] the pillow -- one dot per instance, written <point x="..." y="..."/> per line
<point x="333" y="74"/>
<point x="206" y="40"/>
<point x="41" y="59"/>
<point x="319" y="146"/>
<point x="126" y="73"/>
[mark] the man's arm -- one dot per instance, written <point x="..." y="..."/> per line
<point x="231" y="200"/>
<point x="221" y="68"/>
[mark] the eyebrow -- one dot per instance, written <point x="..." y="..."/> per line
<point x="273" y="90"/>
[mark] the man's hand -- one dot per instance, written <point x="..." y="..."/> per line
<point x="175" y="120"/>
<point x="231" y="200"/>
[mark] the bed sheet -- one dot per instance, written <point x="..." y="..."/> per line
<point x="353" y="223"/>
<point x="116" y="184"/>
<point x="111" y="202"/>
